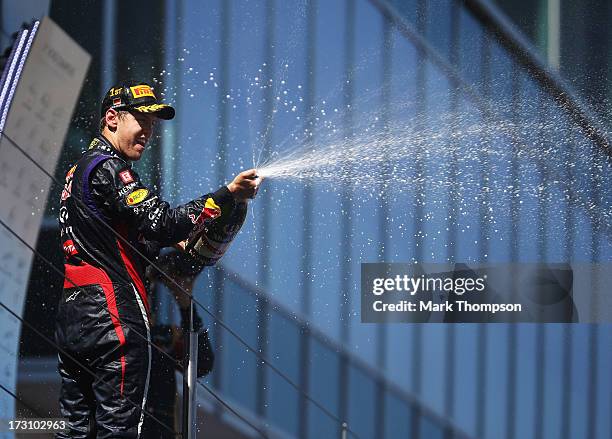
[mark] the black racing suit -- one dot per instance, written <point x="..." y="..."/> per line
<point x="103" y="315"/>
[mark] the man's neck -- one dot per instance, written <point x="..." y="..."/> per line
<point x="107" y="137"/>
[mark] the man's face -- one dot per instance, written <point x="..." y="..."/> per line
<point x="133" y="131"/>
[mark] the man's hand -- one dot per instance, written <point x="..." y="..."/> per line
<point x="245" y="185"/>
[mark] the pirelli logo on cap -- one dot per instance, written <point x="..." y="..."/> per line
<point x="140" y="91"/>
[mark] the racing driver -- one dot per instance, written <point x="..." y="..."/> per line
<point x="108" y="217"/>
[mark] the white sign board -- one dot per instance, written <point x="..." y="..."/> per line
<point x="37" y="121"/>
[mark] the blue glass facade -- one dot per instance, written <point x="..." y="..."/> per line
<point x="433" y="57"/>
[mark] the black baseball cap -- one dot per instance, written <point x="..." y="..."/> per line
<point x="135" y="97"/>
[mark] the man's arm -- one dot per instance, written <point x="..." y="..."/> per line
<point x="122" y="196"/>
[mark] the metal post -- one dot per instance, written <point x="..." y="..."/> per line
<point x="189" y="379"/>
<point x="344" y="430"/>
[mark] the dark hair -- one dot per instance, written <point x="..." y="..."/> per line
<point x="102" y="124"/>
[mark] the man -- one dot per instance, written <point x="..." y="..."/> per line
<point x="103" y="316"/>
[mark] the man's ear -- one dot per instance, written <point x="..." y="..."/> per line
<point x="112" y="119"/>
